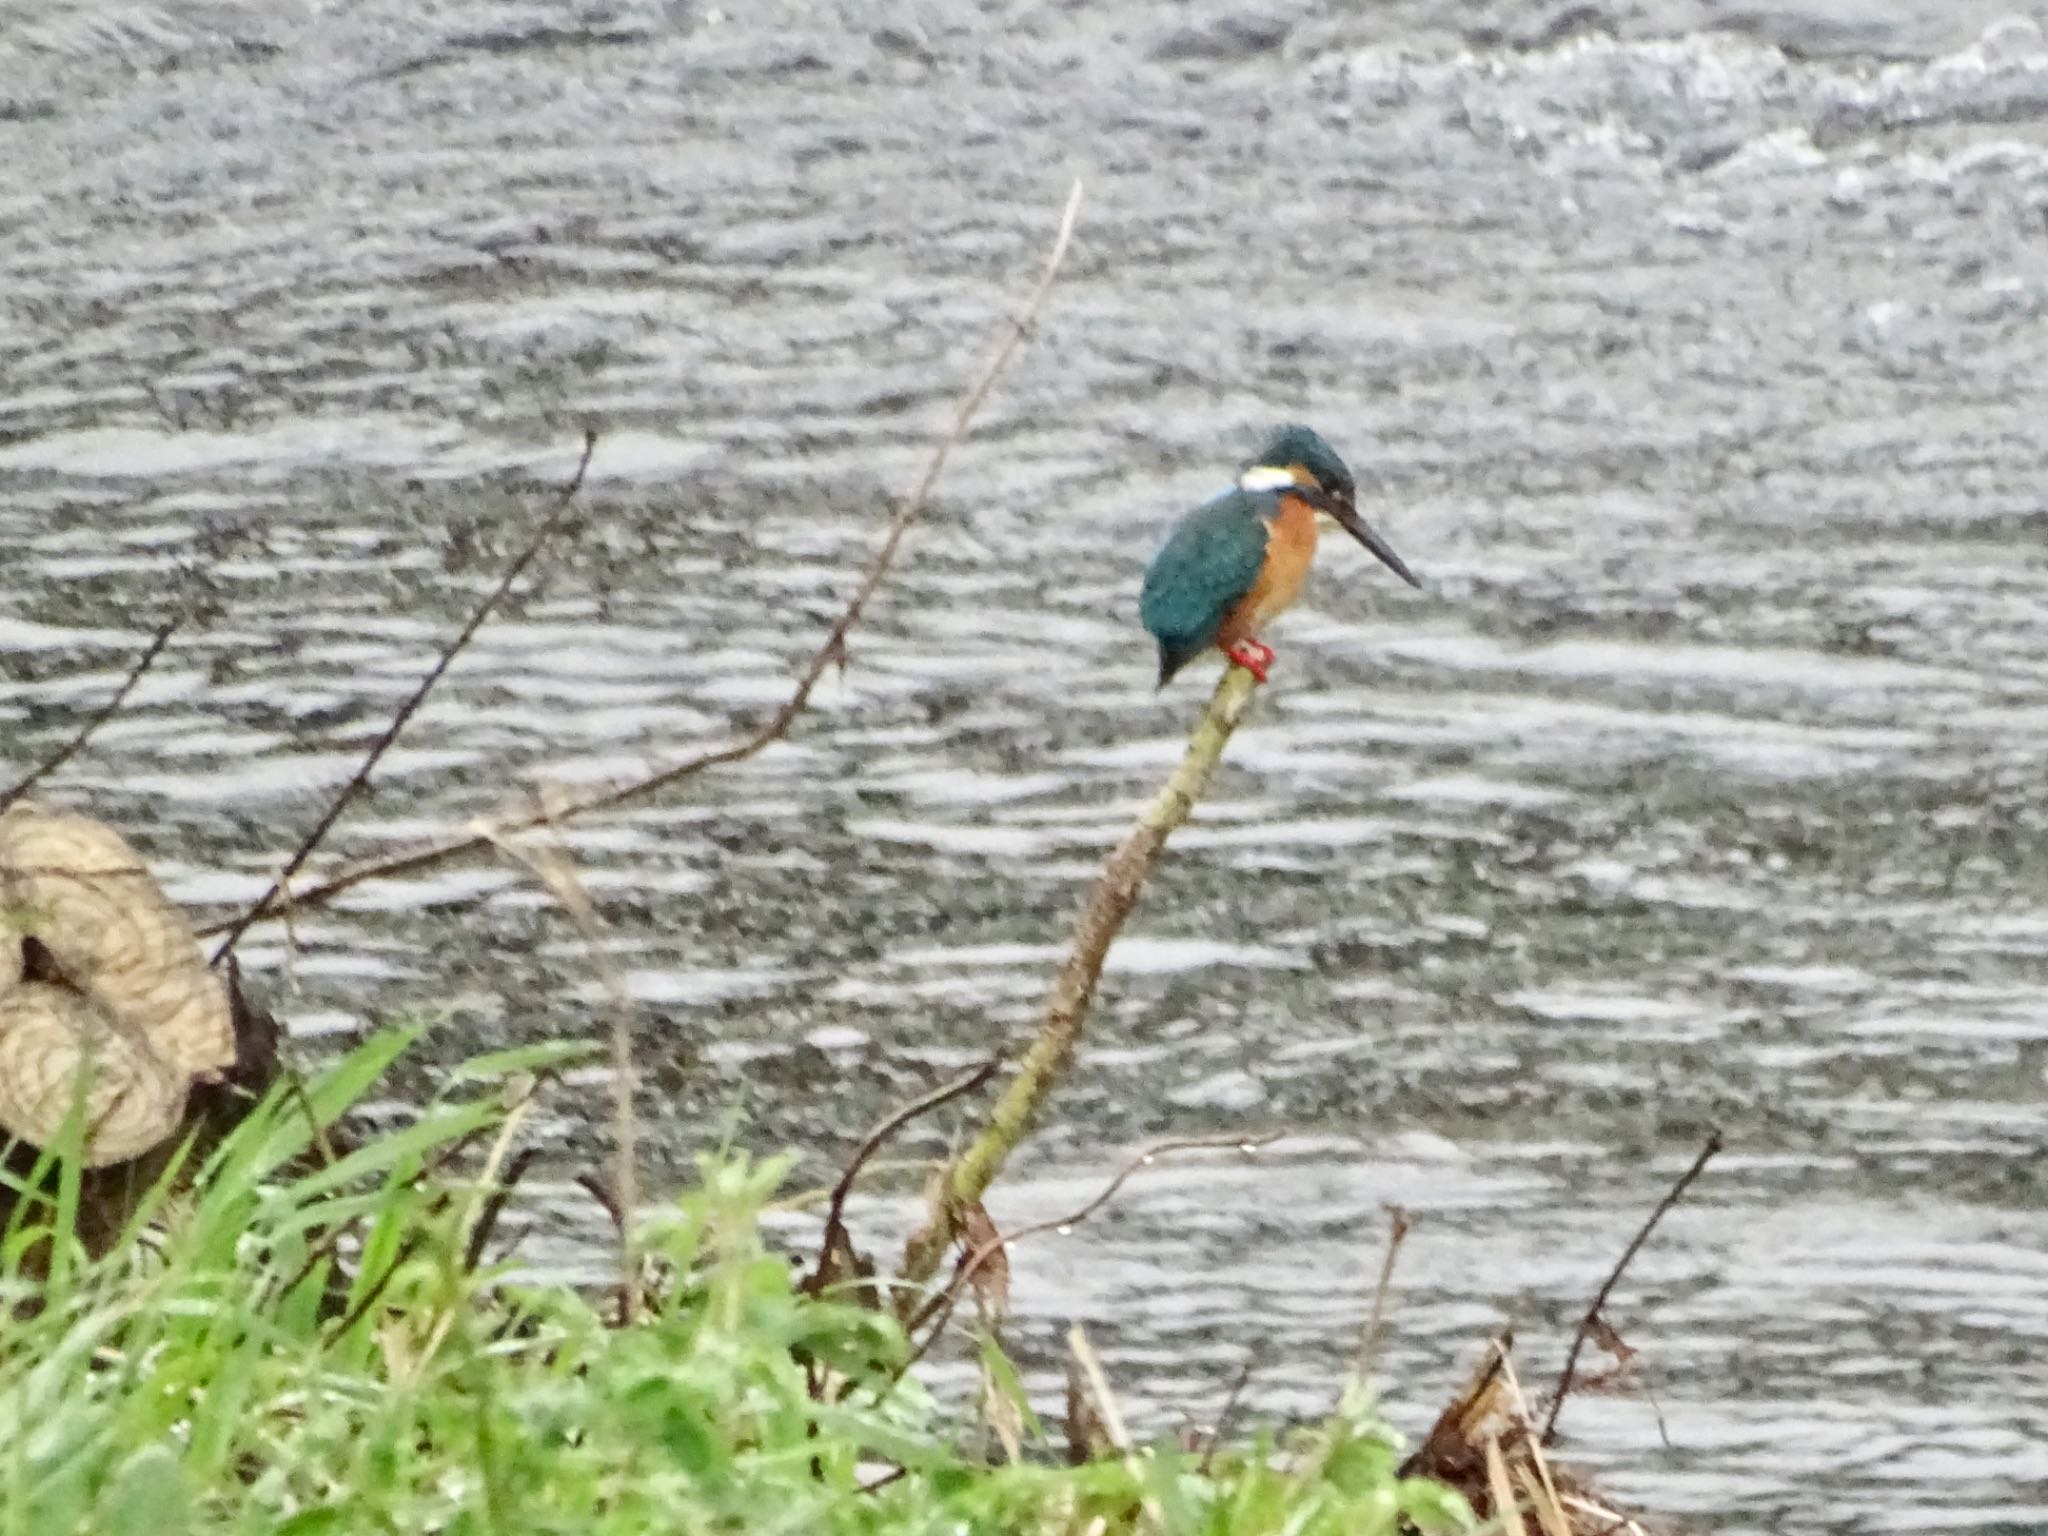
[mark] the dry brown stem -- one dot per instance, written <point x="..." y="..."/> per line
<point x="1671" y="1197"/>
<point x="106" y="712"/>
<point x="552" y="866"/>
<point x="1399" y="1223"/>
<point x="1226" y="1416"/>
<point x="833" y="649"/>
<point x="1107" y="1411"/>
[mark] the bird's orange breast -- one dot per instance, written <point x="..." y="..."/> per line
<point x="1290" y="548"/>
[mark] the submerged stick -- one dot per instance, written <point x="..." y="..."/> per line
<point x="106" y="712"/>
<point x="967" y="1178"/>
<point x="275" y="899"/>
<point x="833" y="649"/>
<point x="1571" y="1360"/>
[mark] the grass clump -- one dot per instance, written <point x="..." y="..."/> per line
<point x="290" y="1345"/>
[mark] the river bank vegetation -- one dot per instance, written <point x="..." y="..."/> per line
<point x="306" y="1333"/>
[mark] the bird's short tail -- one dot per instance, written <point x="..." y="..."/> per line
<point x="1175" y="654"/>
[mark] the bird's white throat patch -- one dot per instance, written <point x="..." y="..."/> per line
<point x="1264" y="477"/>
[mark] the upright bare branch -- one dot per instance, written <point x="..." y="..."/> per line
<point x="963" y="1182"/>
<point x="550" y="863"/>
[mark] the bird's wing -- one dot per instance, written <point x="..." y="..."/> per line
<point x="1209" y="561"/>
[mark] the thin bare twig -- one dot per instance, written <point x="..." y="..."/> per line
<point x="593" y="1185"/>
<point x="412" y="1245"/>
<point x="1399" y="1222"/>
<point x="933" y="1315"/>
<point x="831" y="652"/>
<point x="273" y="899"/>
<point x="501" y="1173"/>
<point x="876" y="1139"/>
<point x="1571" y="1360"/>
<point x="629" y="1290"/>
<point x="106" y="712"/>
<point x="1656" y="1411"/>
<point x="493" y="1208"/>
<point x="1226" y="1416"/>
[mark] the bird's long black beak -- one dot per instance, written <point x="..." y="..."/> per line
<point x="1342" y="509"/>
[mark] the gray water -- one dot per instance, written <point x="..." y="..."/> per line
<point x="1692" y="352"/>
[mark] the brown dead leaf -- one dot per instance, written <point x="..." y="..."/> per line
<point x="843" y="1272"/>
<point x="1621" y="1379"/>
<point x="991" y="1277"/>
<point x="1453" y="1450"/>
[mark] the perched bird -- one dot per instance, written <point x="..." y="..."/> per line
<point x="1240" y="558"/>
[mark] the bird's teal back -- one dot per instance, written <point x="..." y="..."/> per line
<point x="1209" y="561"/>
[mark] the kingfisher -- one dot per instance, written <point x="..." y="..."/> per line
<point x="1239" y="559"/>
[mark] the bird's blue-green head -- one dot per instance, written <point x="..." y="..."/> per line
<point x="1297" y="460"/>
<point x="1298" y="448"/>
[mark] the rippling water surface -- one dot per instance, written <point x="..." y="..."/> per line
<point x="1694" y="354"/>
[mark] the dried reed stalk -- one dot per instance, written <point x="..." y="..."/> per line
<point x="551" y="865"/>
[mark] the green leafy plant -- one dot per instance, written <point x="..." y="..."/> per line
<point x="294" y="1346"/>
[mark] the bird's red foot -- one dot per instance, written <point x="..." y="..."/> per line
<point x="1252" y="656"/>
